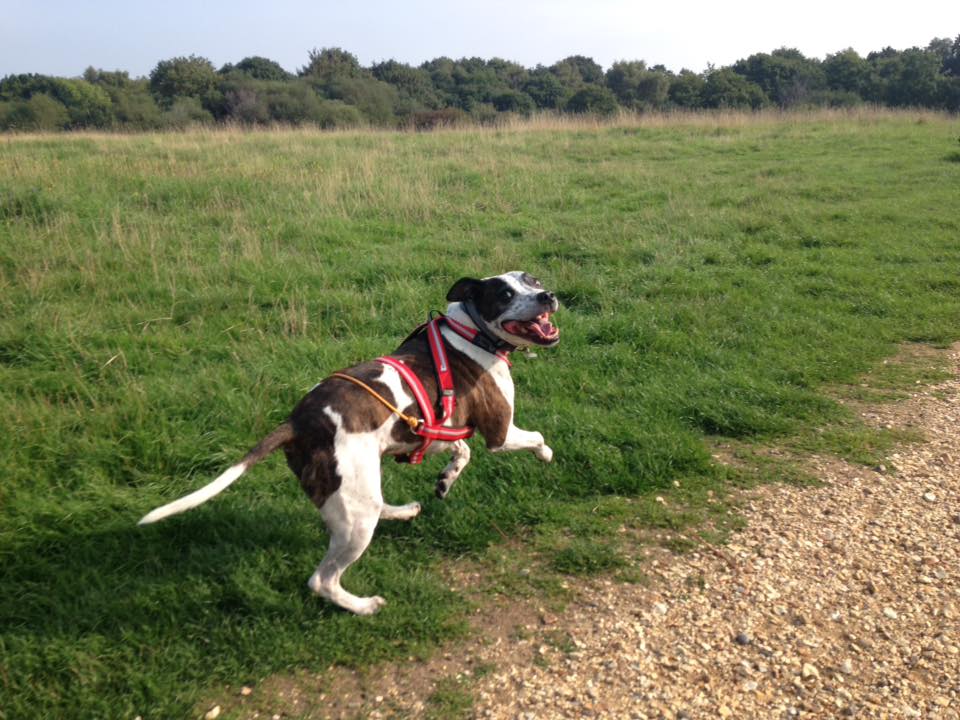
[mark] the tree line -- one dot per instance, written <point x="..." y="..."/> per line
<point x="334" y="90"/>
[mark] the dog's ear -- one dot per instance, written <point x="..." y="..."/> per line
<point x="465" y="289"/>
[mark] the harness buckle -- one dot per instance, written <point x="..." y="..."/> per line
<point x="448" y="393"/>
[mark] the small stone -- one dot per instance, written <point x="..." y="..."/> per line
<point x="724" y="711"/>
<point x="809" y="671"/>
<point x="846" y="667"/>
<point x="930" y="497"/>
<point x="245" y="690"/>
<point x="750" y="686"/>
<point x="213" y="713"/>
<point x="942" y="701"/>
<point x="890" y="613"/>
<point x="660" y="608"/>
<point x="743" y="639"/>
<point x="660" y="500"/>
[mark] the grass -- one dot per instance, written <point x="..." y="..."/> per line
<point x="166" y="299"/>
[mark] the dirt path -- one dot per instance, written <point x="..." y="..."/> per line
<point x="841" y="600"/>
<point x="836" y="601"/>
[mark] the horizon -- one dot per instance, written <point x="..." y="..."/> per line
<point x="61" y="39"/>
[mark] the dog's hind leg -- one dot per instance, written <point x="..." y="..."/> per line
<point x="351" y="513"/>
<point x="400" y="512"/>
<point x="448" y="476"/>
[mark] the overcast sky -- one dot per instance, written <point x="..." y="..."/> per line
<point x="61" y="37"/>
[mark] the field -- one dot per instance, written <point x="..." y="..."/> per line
<point x="166" y="299"/>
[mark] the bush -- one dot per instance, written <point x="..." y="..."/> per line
<point x="514" y="101"/>
<point x="433" y="119"/>
<point x="186" y="111"/>
<point x="337" y="114"/>
<point x="40" y="112"/>
<point x="592" y="99"/>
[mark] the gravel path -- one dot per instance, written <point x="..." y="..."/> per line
<point x="835" y="601"/>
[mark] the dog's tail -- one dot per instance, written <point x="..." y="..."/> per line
<point x="281" y="436"/>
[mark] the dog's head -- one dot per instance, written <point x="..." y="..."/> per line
<point x="514" y="307"/>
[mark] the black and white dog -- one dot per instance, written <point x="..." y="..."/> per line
<point x="336" y="436"/>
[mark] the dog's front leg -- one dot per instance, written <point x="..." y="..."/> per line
<point x="449" y="475"/>
<point x="517" y="439"/>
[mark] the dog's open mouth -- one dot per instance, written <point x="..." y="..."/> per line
<point x="539" y="330"/>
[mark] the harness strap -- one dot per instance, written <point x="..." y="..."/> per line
<point x="431" y="428"/>
<point x="408" y="419"/>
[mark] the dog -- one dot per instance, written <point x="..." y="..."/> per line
<point x="336" y="436"/>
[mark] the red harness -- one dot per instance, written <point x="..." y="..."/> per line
<point x="430" y="429"/>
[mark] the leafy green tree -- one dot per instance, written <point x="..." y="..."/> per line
<point x="785" y="75"/>
<point x="577" y="70"/>
<point x="514" y="101"/>
<point x="258" y="68"/>
<point x="510" y="74"/>
<point x="592" y="99"/>
<point x="686" y="90"/>
<point x="132" y="104"/>
<point x="725" y="88"/>
<point x="638" y="87"/>
<point x="375" y="100"/>
<point x="40" y="112"/>
<point x="911" y="78"/>
<point x="950" y="64"/>
<point x="414" y="86"/>
<point x="545" y="88"/>
<point x="847" y="71"/>
<point x="184" y="77"/>
<point x="327" y="64"/>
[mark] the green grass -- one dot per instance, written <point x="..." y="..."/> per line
<point x="166" y="299"/>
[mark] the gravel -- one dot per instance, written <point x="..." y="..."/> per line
<point x="842" y="600"/>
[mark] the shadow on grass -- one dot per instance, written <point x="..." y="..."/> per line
<point x="119" y="578"/>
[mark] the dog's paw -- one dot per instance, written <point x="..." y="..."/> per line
<point x="369" y="606"/>
<point x="544" y="453"/>
<point x="442" y="488"/>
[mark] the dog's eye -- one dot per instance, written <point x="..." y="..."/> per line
<point x="506" y="294"/>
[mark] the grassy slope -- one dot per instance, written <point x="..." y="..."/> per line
<point x="165" y="300"/>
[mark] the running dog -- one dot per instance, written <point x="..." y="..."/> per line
<point x="335" y="437"/>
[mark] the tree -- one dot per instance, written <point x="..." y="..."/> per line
<point x="636" y="86"/>
<point x="593" y="99"/>
<point x="577" y="70"/>
<point x="192" y="77"/>
<point x="258" y="68"/>
<point x="725" y="88"/>
<point x="911" y="78"/>
<point x="951" y="60"/>
<point x="785" y="75"/>
<point x="329" y="63"/>
<point x="416" y="91"/>
<point x="847" y="71"/>
<point x="40" y="112"/>
<point x="545" y="88"/>
<point x="514" y="101"/>
<point x="686" y="89"/>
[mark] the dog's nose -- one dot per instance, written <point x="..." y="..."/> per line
<point x="547" y="298"/>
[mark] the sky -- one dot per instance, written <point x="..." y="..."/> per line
<point x="62" y="38"/>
